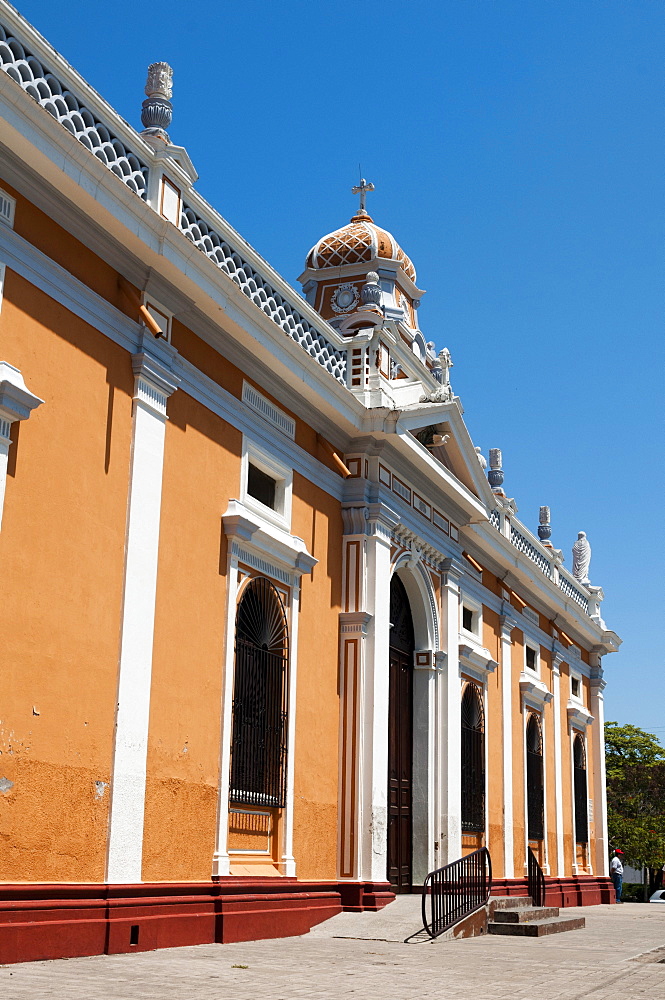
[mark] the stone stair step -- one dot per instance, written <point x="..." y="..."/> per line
<point x="524" y="913"/>
<point x="537" y="928"/>
<point x="509" y="902"/>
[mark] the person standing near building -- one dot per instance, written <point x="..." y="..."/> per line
<point x="616" y="873"/>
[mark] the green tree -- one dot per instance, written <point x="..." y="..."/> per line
<point x="635" y="763"/>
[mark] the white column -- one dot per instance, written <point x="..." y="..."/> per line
<point x="16" y="403"/>
<point x="507" y="626"/>
<point x="450" y="726"/>
<point x="601" y="865"/>
<point x="154" y="383"/>
<point x="373" y="790"/>
<point x="557" y="660"/>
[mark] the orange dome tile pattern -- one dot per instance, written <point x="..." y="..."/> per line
<point x="358" y="242"/>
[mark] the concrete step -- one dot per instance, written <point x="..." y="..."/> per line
<point x="509" y="902"/>
<point x="524" y="913"/>
<point x="537" y="928"/>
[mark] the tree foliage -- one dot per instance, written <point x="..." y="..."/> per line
<point x="635" y="763"/>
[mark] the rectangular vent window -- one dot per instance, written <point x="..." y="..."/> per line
<point x="575" y="687"/>
<point x="268" y="410"/>
<point x="261" y="486"/>
<point x="467" y="619"/>
<point x="7" y="206"/>
<point x="530" y="658"/>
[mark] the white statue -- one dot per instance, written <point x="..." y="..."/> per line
<point x="581" y="558"/>
<point x="481" y="458"/>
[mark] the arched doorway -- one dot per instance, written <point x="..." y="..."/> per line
<point x="260" y="698"/>
<point x="579" y="780"/>
<point x="534" y="779"/>
<point x="473" y="761"/>
<point x="400" y="739"/>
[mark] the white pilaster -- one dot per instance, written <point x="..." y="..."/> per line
<point x="154" y="383"/>
<point x="557" y="660"/>
<point x="507" y="626"/>
<point x="288" y="866"/>
<point x="16" y="403"/>
<point x="221" y="863"/>
<point x="373" y="790"/>
<point x="450" y="728"/>
<point x="427" y="664"/>
<point x="601" y="865"/>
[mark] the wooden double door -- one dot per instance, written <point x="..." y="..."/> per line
<point x="400" y="740"/>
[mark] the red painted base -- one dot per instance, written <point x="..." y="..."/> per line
<point x="582" y="890"/>
<point x="67" y="921"/>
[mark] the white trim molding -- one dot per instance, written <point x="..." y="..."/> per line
<point x="154" y="382"/>
<point x="16" y="403"/>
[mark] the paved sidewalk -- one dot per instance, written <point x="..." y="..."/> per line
<point x="364" y="955"/>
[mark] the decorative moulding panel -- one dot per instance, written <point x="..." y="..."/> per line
<point x="264" y="546"/>
<point x="476" y="660"/>
<point x="534" y="691"/>
<point x="254" y="399"/>
<point x="578" y="716"/>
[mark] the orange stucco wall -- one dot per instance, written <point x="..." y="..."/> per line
<point x="201" y="471"/>
<point x="62" y="549"/>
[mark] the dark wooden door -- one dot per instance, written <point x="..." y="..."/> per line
<point x="400" y="739"/>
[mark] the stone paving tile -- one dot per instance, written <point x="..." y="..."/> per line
<point x="332" y="963"/>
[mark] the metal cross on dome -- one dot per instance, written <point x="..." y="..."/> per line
<point x="362" y="190"/>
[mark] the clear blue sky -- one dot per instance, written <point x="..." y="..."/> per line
<point x="517" y="151"/>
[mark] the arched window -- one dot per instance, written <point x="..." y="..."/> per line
<point x="260" y="698"/>
<point x="473" y="760"/>
<point x="579" y="782"/>
<point x="534" y="779"/>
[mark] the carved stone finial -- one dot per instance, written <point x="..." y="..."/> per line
<point x="495" y="475"/>
<point x="371" y="290"/>
<point x="362" y="189"/>
<point x="581" y="558"/>
<point x="157" y="111"/>
<point x="544" y="526"/>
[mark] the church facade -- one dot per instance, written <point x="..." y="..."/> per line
<point x="274" y="640"/>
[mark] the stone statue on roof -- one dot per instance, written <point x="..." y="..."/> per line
<point x="581" y="558"/>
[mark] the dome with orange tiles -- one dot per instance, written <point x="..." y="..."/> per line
<point x="358" y="242"/>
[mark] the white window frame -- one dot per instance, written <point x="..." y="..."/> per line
<point x="476" y="609"/>
<point x="576" y="676"/>
<point x="531" y="671"/>
<point x="254" y="454"/>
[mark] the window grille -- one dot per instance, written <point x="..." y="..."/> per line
<point x="534" y="779"/>
<point x="579" y="781"/>
<point x="473" y="760"/>
<point x="260" y="698"/>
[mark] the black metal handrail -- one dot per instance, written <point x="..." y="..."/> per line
<point x="456" y="890"/>
<point x="536" y="880"/>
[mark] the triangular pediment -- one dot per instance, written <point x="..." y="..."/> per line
<point x="440" y="429"/>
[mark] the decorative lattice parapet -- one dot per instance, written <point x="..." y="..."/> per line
<point x="282" y="312"/>
<point x="522" y="543"/>
<point x="570" y="590"/>
<point x="54" y="95"/>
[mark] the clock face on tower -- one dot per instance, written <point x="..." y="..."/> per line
<point x="344" y="298"/>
